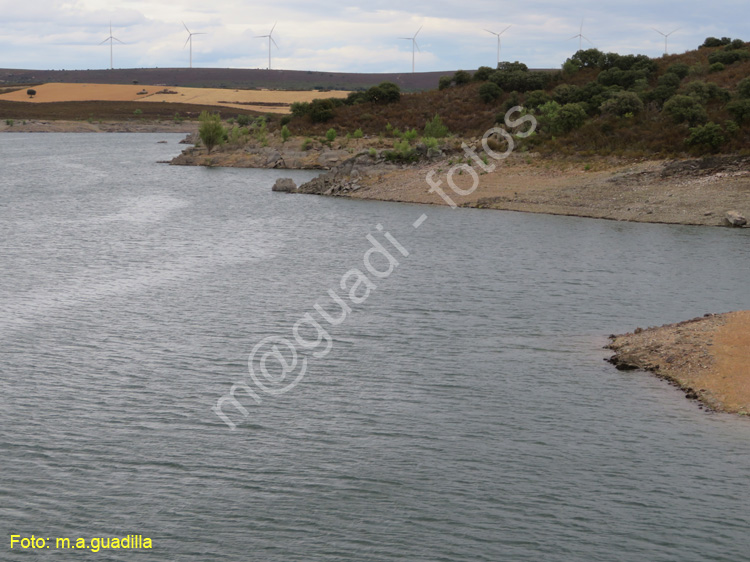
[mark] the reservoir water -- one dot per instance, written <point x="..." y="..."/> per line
<point x="463" y="412"/>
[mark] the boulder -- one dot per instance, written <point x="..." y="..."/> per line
<point x="734" y="218"/>
<point x="285" y="185"/>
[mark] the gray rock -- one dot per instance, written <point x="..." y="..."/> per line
<point x="734" y="218"/>
<point x="285" y="185"/>
<point x="273" y="157"/>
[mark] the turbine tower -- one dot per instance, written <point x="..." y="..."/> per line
<point x="413" y="46"/>
<point x="190" y="40"/>
<point x="498" y="40"/>
<point x="111" y="39"/>
<point x="270" y="40"/>
<point x="666" y="36"/>
<point x="581" y="37"/>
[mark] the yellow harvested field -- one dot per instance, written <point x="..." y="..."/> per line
<point x="269" y="101"/>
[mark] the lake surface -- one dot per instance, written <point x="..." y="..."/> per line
<point x="463" y="413"/>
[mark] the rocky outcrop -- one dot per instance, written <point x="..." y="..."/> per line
<point x="285" y="185"/>
<point x="734" y="218"/>
<point x="348" y="176"/>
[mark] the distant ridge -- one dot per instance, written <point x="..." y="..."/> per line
<point x="227" y="77"/>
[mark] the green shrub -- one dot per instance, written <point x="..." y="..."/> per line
<point x="372" y="152"/>
<point x="402" y="152"/>
<point x="137" y="112"/>
<point x="567" y="93"/>
<point x="435" y="128"/>
<point x="728" y="57"/>
<point x="482" y="74"/>
<point x="536" y="98"/>
<point x="430" y="142"/>
<point x="300" y="108"/>
<point x="9" y="122"/>
<point x="461" y="77"/>
<point x="680" y="69"/>
<point x="210" y="130"/>
<point x="445" y="82"/>
<point x="714" y="42"/>
<point x="743" y="88"/>
<point x="410" y="135"/>
<point x="285" y="120"/>
<point x="285" y="133"/>
<point x="716" y="67"/>
<point x="243" y="120"/>
<point x="489" y="92"/>
<point x="358" y="134"/>
<point x="709" y="135"/>
<point x="571" y="116"/>
<point x="622" y="103"/>
<point x="177" y="117"/>
<point x="686" y="108"/>
<point x="331" y="135"/>
<point x="740" y="110"/>
<point x="705" y="92"/>
<point x="306" y="144"/>
<point x="736" y="44"/>
<point x="321" y="110"/>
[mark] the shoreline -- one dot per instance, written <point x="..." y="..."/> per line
<point x="65" y="126"/>
<point x="706" y="357"/>
<point x="696" y="192"/>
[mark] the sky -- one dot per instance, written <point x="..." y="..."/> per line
<point x="350" y="37"/>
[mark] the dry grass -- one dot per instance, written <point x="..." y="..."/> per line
<point x="266" y="101"/>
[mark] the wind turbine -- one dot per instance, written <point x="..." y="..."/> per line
<point x="270" y="40"/>
<point x="498" y="40"/>
<point x="581" y="37"/>
<point x="190" y="40"/>
<point x="413" y="46"/>
<point x="110" y="39"/>
<point x="666" y="36"/>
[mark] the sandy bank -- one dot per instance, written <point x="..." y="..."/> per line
<point x="697" y="192"/>
<point x="707" y="357"/>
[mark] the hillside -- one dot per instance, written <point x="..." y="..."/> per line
<point x="598" y="104"/>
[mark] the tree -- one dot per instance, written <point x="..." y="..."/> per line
<point x="740" y="110"/>
<point x="623" y="103"/>
<point x="709" y="136"/>
<point x="489" y="92"/>
<point x="435" y="128"/>
<point x="686" y="108"/>
<point x="461" y="77"/>
<point x="285" y="133"/>
<point x="445" y="82"/>
<point x="743" y="88"/>
<point x="211" y="131"/>
<point x="31" y="93"/>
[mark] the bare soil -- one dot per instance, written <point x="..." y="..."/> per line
<point x="697" y="192"/>
<point x="708" y="357"/>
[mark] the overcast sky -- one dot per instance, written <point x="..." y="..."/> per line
<point x="349" y="37"/>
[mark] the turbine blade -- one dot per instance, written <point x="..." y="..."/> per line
<point x="417" y="46"/>
<point x="506" y="29"/>
<point x="273" y="41"/>
<point x="587" y="39"/>
<point x="575" y="37"/>
<point x="186" y="27"/>
<point x="103" y="42"/>
<point x="493" y="33"/>
<point x="116" y="39"/>
<point x="671" y="32"/>
<point x="274" y="27"/>
<point x="418" y="30"/>
<point x="260" y="36"/>
<point x="187" y="40"/>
